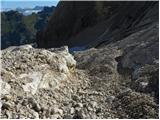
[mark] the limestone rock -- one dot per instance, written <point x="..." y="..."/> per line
<point x="37" y="62"/>
<point x="5" y="87"/>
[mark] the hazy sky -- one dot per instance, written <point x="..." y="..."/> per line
<point x="27" y="3"/>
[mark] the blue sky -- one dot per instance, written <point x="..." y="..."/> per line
<point x="27" y="3"/>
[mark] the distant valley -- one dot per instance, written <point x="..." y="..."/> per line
<point x="20" y="26"/>
<point x="25" y="11"/>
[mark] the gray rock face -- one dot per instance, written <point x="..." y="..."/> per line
<point x="81" y="23"/>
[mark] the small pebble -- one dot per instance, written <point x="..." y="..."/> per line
<point x="67" y="117"/>
<point x="79" y="105"/>
<point x="94" y="104"/>
<point x="72" y="110"/>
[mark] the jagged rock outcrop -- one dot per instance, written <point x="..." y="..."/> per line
<point x="81" y="23"/>
<point x="41" y="83"/>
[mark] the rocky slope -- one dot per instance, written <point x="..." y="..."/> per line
<point x="114" y="78"/>
<point x="40" y="83"/>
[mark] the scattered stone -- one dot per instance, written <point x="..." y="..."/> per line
<point x="98" y="110"/>
<point x="56" y="110"/>
<point x="79" y="115"/>
<point x="36" y="107"/>
<point x="75" y="97"/>
<point x="24" y="102"/>
<point x="9" y="114"/>
<point x="5" y="87"/>
<point x="93" y="104"/>
<point x="55" y="116"/>
<point x="110" y="99"/>
<point x="6" y="106"/>
<point x="36" y="115"/>
<point x="6" y="97"/>
<point x="72" y="110"/>
<point x="89" y="108"/>
<point x="43" y="107"/>
<point x="79" y="105"/>
<point x="67" y="117"/>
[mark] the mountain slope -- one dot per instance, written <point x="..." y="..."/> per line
<point x="90" y="23"/>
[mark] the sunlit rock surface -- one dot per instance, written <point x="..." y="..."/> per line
<point x="35" y="68"/>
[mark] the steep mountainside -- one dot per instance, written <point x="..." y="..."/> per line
<point x="79" y="23"/>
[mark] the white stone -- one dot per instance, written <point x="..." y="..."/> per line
<point x="33" y="86"/>
<point x="5" y="87"/>
<point x="72" y="110"/>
